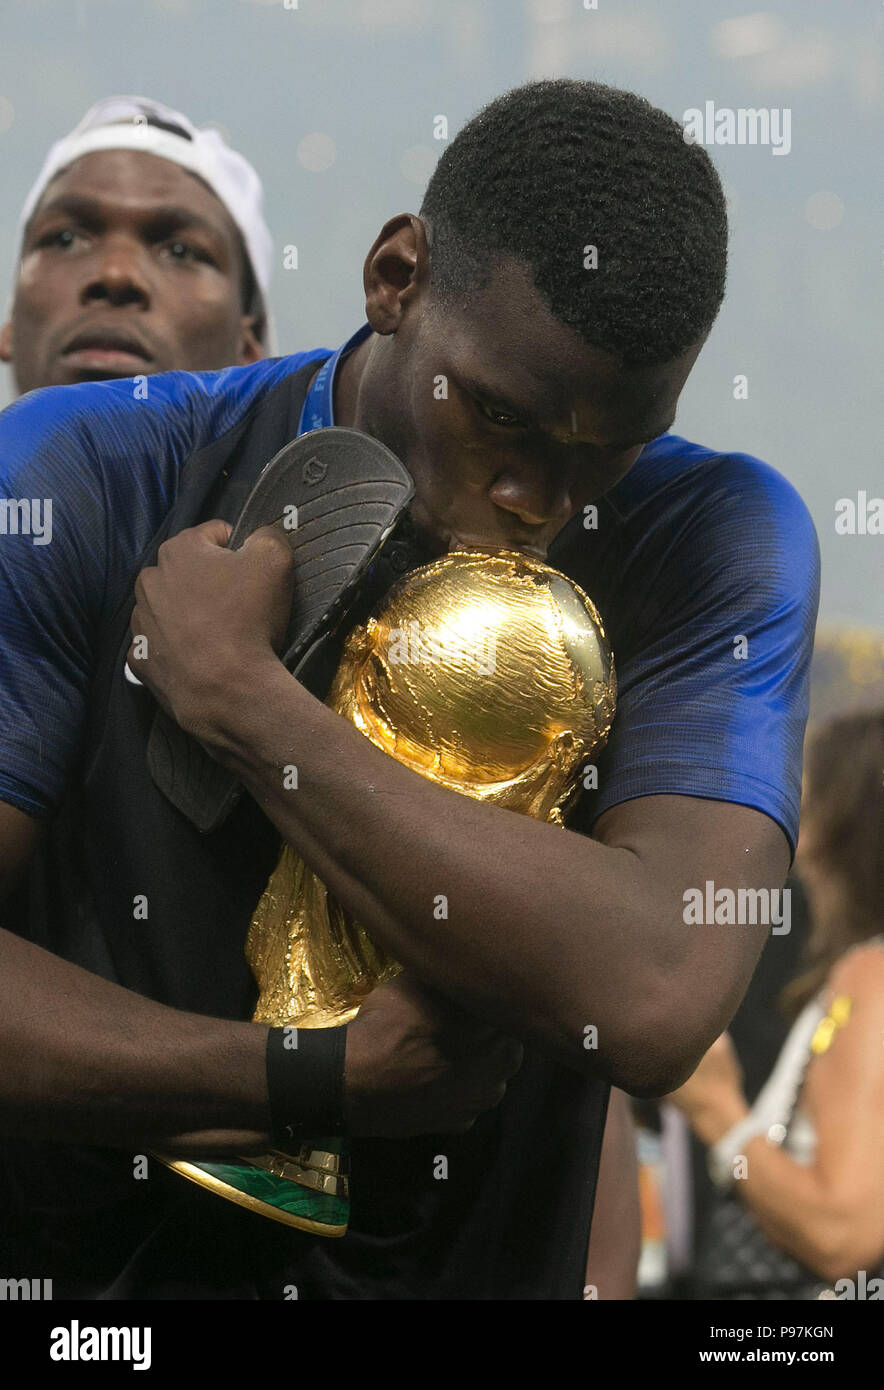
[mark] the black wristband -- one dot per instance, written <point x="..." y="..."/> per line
<point x="305" y="1082"/>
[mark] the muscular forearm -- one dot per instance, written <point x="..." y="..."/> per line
<point x="579" y="944"/>
<point x="83" y="1060"/>
<point x="536" y="929"/>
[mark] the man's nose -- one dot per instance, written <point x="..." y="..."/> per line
<point x="118" y="274"/>
<point x="538" y="499"/>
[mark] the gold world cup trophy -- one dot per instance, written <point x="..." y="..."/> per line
<point x="487" y="672"/>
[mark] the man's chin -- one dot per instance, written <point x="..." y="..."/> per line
<point x="427" y="537"/>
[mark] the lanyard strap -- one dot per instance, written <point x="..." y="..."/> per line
<point x="318" y="411"/>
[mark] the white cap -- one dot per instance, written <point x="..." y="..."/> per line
<point x="123" y="123"/>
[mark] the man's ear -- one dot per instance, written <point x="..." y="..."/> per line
<point x="251" y="349"/>
<point x="6" y="341"/>
<point x="395" y="268"/>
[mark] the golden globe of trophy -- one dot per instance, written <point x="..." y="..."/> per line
<point x="487" y="672"/>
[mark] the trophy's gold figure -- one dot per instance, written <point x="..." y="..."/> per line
<point x="487" y="672"/>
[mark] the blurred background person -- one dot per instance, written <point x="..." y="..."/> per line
<point x="803" y="1164"/>
<point x="143" y="248"/>
<point x="847" y="676"/>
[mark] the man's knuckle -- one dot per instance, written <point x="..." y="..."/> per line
<point x="276" y="549"/>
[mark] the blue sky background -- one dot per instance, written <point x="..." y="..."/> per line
<point x="803" y="314"/>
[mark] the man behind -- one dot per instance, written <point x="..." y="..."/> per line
<point x="143" y="249"/>
<point x="555" y="378"/>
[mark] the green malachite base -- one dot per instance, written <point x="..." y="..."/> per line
<point x="264" y="1193"/>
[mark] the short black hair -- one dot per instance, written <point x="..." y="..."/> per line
<point x="554" y="166"/>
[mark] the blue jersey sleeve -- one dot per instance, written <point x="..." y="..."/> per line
<point x="714" y="687"/>
<point x="87" y="475"/>
<point x="77" y="499"/>
<point x="53" y="547"/>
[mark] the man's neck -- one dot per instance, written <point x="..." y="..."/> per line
<point x="346" y="387"/>
<point x="346" y="412"/>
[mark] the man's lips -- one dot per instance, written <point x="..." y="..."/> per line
<point x="105" y="351"/>
<point x="441" y="539"/>
<point x="536" y="552"/>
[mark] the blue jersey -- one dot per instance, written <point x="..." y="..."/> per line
<point x="704" y="566"/>
<point x="705" y="569"/>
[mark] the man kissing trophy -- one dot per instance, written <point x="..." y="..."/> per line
<point x="488" y="672"/>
